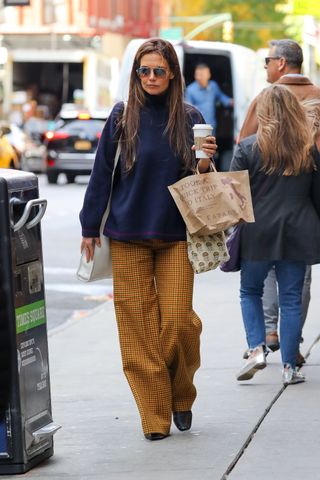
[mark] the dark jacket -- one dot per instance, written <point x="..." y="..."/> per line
<point x="142" y="206"/>
<point x="286" y="208"/>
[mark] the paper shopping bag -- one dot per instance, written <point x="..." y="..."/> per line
<point x="214" y="201"/>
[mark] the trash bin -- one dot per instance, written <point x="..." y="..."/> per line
<point x="26" y="430"/>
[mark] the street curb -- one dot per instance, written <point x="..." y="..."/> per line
<point x="72" y="321"/>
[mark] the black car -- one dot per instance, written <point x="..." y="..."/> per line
<point x="71" y="146"/>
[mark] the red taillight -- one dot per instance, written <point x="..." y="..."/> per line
<point x="50" y="162"/>
<point x="98" y="135"/>
<point x="56" y="135"/>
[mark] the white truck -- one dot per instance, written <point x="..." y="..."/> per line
<point x="53" y="77"/>
<point x="234" y="67"/>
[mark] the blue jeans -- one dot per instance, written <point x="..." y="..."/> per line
<point x="270" y="300"/>
<point x="290" y="277"/>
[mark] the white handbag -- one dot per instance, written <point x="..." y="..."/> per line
<point x="101" y="266"/>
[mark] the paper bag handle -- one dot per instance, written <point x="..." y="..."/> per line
<point x="212" y="168"/>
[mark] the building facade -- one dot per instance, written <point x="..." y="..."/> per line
<point x="132" y="18"/>
<point x="58" y="46"/>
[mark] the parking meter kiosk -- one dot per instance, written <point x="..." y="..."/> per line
<point x="26" y="427"/>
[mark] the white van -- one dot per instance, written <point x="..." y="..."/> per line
<point x="234" y="68"/>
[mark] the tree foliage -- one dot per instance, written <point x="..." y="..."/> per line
<point x="255" y="21"/>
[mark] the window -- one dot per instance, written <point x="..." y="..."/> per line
<point x="113" y="9"/>
<point x="135" y="9"/>
<point x="55" y="11"/>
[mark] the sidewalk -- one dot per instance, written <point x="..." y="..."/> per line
<point x="101" y="438"/>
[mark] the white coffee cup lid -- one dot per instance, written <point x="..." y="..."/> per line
<point x="202" y="126"/>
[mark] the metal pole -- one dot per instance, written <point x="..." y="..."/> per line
<point x="65" y="84"/>
<point x="215" y="20"/>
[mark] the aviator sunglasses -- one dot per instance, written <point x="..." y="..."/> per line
<point x="158" y="72"/>
<point x="268" y="59"/>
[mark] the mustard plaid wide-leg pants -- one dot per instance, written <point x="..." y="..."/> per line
<point x="158" y="330"/>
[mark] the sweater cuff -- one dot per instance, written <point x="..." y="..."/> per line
<point x="90" y="233"/>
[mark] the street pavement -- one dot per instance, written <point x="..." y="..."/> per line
<point x="61" y="235"/>
<point x="253" y="430"/>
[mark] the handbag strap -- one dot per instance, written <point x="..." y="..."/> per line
<point x="107" y="210"/>
<point x="116" y="160"/>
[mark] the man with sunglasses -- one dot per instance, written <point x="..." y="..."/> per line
<point x="283" y="66"/>
<point x="204" y="94"/>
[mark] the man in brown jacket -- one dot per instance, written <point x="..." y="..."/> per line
<point x="283" y="66"/>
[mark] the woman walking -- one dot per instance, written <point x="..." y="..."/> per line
<point x="153" y="281"/>
<point x="284" y="169"/>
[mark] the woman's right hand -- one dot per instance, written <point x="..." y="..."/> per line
<point x="88" y="244"/>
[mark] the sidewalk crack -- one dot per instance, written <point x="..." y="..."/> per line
<point x="261" y="419"/>
<point x="251" y="435"/>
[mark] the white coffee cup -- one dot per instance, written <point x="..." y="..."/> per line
<point x="201" y="131"/>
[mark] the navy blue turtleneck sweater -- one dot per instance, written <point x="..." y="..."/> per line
<point x="141" y="207"/>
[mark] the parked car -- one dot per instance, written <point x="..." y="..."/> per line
<point x="29" y="148"/>
<point x="226" y="62"/>
<point x="71" y="146"/>
<point x="8" y="155"/>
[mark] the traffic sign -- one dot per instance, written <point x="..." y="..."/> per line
<point x="306" y="7"/>
<point x="173" y="33"/>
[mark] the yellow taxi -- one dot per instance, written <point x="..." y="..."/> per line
<point x="8" y="156"/>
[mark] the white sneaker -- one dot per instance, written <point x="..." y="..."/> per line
<point x="255" y="362"/>
<point x="291" y="376"/>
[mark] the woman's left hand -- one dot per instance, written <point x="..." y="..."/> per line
<point x="88" y="245"/>
<point x="209" y="147"/>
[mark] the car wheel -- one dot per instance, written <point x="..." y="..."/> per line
<point x="12" y="165"/>
<point x="70" y="177"/>
<point x="52" y="177"/>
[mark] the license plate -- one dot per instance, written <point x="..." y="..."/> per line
<point x="82" y="145"/>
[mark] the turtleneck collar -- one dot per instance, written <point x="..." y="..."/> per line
<point x="156" y="100"/>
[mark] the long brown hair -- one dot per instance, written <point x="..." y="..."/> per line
<point x="312" y="109"/>
<point x="176" y="127"/>
<point x="284" y="136"/>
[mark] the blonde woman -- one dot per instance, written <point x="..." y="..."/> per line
<point x="284" y="171"/>
<point x="312" y="109"/>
